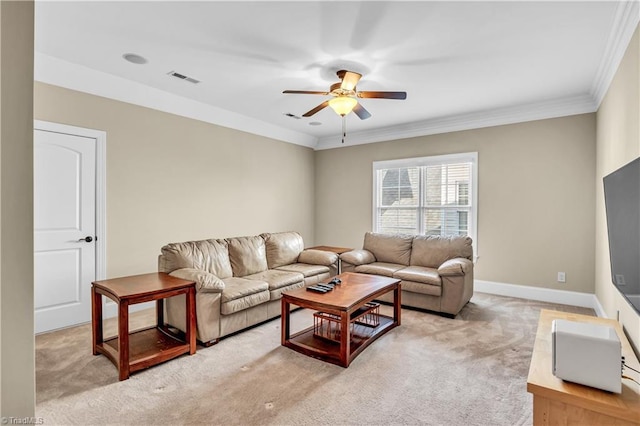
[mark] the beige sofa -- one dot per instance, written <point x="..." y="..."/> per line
<point x="436" y="272"/>
<point x="239" y="281"/>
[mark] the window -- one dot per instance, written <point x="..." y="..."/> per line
<point x="427" y="195"/>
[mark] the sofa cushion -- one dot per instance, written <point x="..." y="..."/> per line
<point x="379" y="268"/>
<point x="422" y="288"/>
<point x="247" y="255"/>
<point x="241" y="293"/>
<point x="305" y="269"/>
<point x="433" y="250"/>
<point x="207" y="255"/>
<point x="419" y="274"/>
<point x="277" y="293"/>
<point x="277" y="279"/>
<point x="282" y="248"/>
<point x="389" y="248"/>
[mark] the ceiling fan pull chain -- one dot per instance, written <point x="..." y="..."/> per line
<point x="344" y="128"/>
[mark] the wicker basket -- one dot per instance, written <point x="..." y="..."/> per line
<point x="327" y="326"/>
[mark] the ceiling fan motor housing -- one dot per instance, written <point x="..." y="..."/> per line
<point x="337" y="90"/>
<point x="345" y="94"/>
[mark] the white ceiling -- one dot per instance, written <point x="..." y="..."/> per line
<point x="462" y="64"/>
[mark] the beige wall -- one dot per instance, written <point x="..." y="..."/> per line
<point x="17" y="382"/>
<point x="171" y="178"/>
<point x="536" y="200"/>
<point x="618" y="142"/>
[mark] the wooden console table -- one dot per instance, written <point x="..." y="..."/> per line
<point x="556" y="402"/>
<point x="135" y="351"/>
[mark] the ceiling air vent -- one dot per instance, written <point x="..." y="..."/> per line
<point x="183" y="77"/>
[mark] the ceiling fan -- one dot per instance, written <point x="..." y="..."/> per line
<point x="344" y="96"/>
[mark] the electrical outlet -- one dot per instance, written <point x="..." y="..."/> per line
<point x="562" y="277"/>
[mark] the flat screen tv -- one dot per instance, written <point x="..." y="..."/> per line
<point x="622" y="201"/>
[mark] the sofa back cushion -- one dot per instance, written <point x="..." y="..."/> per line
<point x="283" y="248"/>
<point x="247" y="255"/>
<point x="433" y="250"/>
<point x="206" y="255"/>
<point x="389" y="248"/>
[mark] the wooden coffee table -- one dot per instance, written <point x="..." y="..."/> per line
<point x="343" y="304"/>
<point x="131" y="352"/>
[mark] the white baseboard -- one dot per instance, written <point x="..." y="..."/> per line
<point x="598" y="308"/>
<point x="110" y="309"/>
<point x="563" y="297"/>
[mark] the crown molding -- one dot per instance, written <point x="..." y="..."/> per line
<point x="76" y="77"/>
<point x="624" y="25"/>
<point x="476" y="120"/>
<point x="51" y="70"/>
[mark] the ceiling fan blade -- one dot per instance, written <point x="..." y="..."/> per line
<point x="361" y="112"/>
<point x="383" y="95"/>
<point x="349" y="80"/>
<point x="305" y="92"/>
<point x="316" y="109"/>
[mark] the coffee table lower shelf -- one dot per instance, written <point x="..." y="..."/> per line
<point x="321" y="348"/>
<point x="147" y="347"/>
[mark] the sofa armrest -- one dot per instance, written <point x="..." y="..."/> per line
<point x="457" y="266"/>
<point x="358" y="257"/>
<point x="205" y="281"/>
<point x="317" y="257"/>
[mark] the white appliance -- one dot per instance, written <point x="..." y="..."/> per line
<point x="588" y="354"/>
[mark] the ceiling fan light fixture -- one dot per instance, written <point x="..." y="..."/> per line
<point x="342" y="105"/>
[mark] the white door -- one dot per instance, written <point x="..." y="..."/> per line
<point x="64" y="228"/>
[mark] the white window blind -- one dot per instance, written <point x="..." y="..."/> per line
<point x="427" y="195"/>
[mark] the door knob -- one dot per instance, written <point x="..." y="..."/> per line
<point x="86" y="239"/>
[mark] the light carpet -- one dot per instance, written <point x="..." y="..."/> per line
<point x="471" y="370"/>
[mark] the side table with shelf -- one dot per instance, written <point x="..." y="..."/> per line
<point x="140" y="349"/>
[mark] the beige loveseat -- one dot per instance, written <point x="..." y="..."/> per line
<point x="239" y="281"/>
<point x="436" y="272"/>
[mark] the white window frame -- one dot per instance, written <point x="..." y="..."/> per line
<point x="435" y="160"/>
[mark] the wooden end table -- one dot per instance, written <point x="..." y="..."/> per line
<point x="336" y="250"/>
<point x="135" y="351"/>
